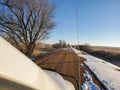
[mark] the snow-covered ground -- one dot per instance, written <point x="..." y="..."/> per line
<point x="107" y="73"/>
<point x="89" y="85"/>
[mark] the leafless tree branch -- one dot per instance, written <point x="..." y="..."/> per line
<point x="24" y="22"/>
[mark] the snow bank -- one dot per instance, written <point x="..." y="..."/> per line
<point x="107" y="73"/>
<point x="75" y="50"/>
<point x="89" y="85"/>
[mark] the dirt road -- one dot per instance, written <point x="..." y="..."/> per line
<point x="67" y="64"/>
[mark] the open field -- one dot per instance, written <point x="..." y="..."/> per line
<point x="42" y="48"/>
<point x="106" y="49"/>
<point x="110" y="54"/>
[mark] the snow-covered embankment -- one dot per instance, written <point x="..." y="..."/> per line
<point x="107" y="73"/>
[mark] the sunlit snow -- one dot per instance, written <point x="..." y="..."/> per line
<point x="107" y="73"/>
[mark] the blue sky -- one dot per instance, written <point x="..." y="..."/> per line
<point x="98" y="22"/>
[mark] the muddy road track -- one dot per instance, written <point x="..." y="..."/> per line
<point x="67" y="64"/>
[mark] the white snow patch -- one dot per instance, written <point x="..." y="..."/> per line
<point x="107" y="73"/>
<point x="89" y="85"/>
<point x="60" y="49"/>
<point x="81" y="65"/>
<point x="75" y="50"/>
<point x="32" y="58"/>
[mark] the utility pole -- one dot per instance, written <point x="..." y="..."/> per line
<point x="77" y="26"/>
<point x="79" y="78"/>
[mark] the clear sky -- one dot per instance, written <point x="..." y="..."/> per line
<point x="98" y="22"/>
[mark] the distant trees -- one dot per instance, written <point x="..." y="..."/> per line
<point x="24" y="22"/>
<point x="61" y="44"/>
<point x="56" y="45"/>
<point x="85" y="47"/>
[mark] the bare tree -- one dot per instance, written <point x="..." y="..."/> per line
<point x="24" y="22"/>
<point x="62" y="43"/>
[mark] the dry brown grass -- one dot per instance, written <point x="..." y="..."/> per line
<point x="36" y="52"/>
<point x="106" y="49"/>
<point x="42" y="48"/>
